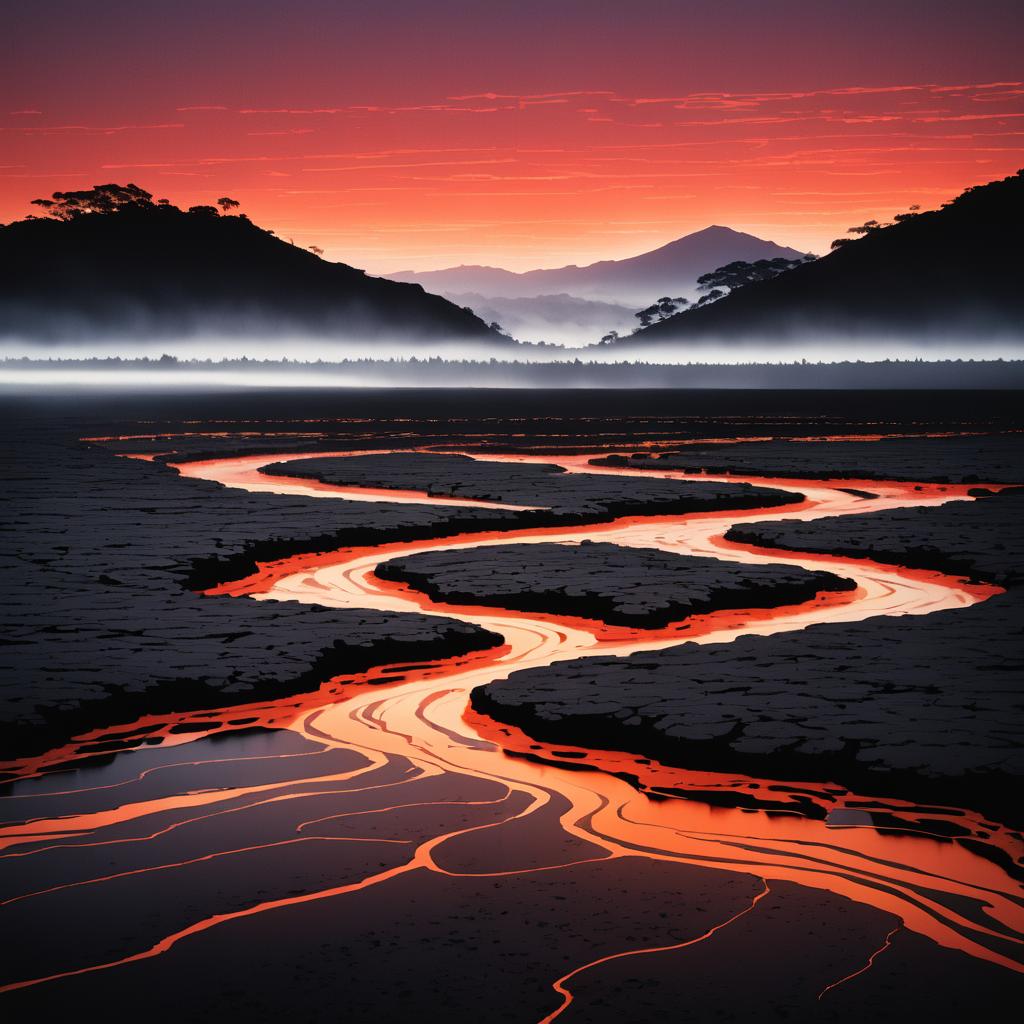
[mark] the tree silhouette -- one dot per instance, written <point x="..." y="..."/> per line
<point x="740" y="273"/>
<point x="226" y="203"/>
<point x="660" y="310"/>
<point x="102" y="199"/>
<point x="204" y="211"/>
<point x="909" y="215"/>
<point x="316" y="250"/>
<point x="869" y="227"/>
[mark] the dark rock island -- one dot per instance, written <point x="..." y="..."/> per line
<point x="622" y="586"/>
<point x="556" y="493"/>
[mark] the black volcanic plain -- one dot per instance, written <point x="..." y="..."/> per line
<point x="101" y="555"/>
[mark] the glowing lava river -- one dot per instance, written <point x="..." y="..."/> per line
<point x="379" y="828"/>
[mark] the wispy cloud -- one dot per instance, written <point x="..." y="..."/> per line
<point x="86" y="129"/>
<point x="437" y="167"/>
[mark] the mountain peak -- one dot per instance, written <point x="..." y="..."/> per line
<point x="672" y="268"/>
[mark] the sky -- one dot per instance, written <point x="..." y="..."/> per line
<point x="406" y="134"/>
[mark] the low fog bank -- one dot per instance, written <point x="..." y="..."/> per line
<point x="304" y="347"/>
<point x="818" y="347"/>
<point x="565" y="320"/>
<point x="171" y="374"/>
<point x="285" y="345"/>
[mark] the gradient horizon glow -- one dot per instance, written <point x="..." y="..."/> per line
<point x="407" y="135"/>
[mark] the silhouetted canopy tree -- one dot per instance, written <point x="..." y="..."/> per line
<point x="98" y="199"/>
<point x="909" y="215"/>
<point x="871" y="226"/>
<point x="740" y="273"/>
<point x="316" y="250"/>
<point x="205" y="211"/>
<point x="227" y="203"/>
<point x="660" y="310"/>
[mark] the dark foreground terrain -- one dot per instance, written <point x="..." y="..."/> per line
<point x="372" y="852"/>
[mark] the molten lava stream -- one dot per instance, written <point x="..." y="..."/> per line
<point x="860" y="863"/>
<point x="939" y="889"/>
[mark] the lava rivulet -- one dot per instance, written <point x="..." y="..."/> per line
<point x="409" y="726"/>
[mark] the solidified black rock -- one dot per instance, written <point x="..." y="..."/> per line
<point x="623" y="586"/>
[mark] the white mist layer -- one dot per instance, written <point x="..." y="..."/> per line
<point x="213" y="348"/>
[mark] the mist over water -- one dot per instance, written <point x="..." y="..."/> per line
<point x="306" y="348"/>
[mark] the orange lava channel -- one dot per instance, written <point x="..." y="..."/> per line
<point x="420" y="714"/>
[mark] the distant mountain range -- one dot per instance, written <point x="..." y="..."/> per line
<point x="113" y="265"/>
<point x="628" y="284"/>
<point x="952" y="274"/>
<point x="144" y="270"/>
<point x="636" y="281"/>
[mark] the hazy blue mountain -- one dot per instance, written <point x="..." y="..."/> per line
<point x="672" y="269"/>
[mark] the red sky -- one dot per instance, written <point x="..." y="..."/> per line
<point x="412" y="134"/>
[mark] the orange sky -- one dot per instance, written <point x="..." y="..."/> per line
<point x="519" y="135"/>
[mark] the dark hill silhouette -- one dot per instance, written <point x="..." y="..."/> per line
<point x="135" y="267"/>
<point x="952" y="273"/>
<point x="638" y="280"/>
